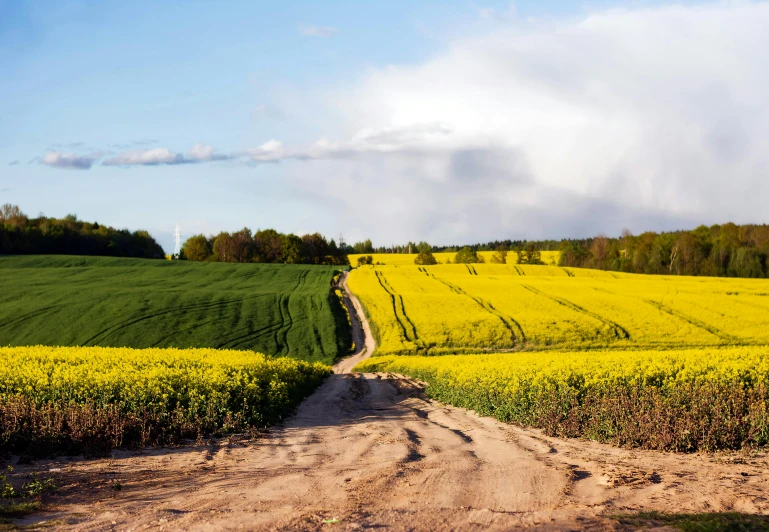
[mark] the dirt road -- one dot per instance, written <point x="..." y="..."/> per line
<point x="370" y="450"/>
<point x="361" y="333"/>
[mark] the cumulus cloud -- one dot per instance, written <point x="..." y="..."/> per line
<point x="317" y="31"/>
<point x="204" y="152"/>
<point x="653" y="118"/>
<point x="71" y="161"/>
<point x="163" y="156"/>
<point x="411" y="139"/>
<point x="151" y="157"/>
<point x="640" y="118"/>
<point x="270" y="151"/>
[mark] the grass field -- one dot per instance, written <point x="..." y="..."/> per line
<point x="97" y="301"/>
<point x="490" y="307"/>
<point x="405" y="259"/>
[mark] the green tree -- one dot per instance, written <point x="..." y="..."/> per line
<point x="242" y="243"/>
<point x="291" y="247"/>
<point x="196" y="248"/>
<point x="529" y="254"/>
<point x="747" y="262"/>
<point x="363" y="247"/>
<point x="367" y="259"/>
<point x="573" y="254"/>
<point x="223" y="247"/>
<point x="268" y="246"/>
<point x="466" y="255"/>
<point x="425" y="255"/>
<point x="500" y="255"/>
<point x="314" y="249"/>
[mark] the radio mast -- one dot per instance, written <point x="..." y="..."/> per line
<point x="178" y="247"/>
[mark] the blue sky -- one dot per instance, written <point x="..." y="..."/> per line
<point x="448" y="121"/>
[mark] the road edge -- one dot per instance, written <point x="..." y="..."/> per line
<point x="361" y="331"/>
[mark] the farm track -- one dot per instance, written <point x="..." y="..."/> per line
<point x="371" y="450"/>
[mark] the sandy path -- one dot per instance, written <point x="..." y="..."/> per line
<point x="370" y="450"/>
<point x="361" y="333"/>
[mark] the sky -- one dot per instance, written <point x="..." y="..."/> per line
<point x="446" y="121"/>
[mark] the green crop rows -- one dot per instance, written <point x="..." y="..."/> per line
<point x="116" y="302"/>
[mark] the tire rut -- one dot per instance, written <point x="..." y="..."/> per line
<point x="510" y="323"/>
<point x="619" y="331"/>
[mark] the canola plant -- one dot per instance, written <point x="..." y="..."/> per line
<point x="79" y="398"/>
<point x="675" y="399"/>
<point x="491" y="308"/>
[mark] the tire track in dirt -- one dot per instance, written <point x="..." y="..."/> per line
<point x="372" y="451"/>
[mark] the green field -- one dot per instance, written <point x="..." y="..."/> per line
<point x="275" y="309"/>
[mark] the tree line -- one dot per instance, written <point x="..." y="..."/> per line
<point x="267" y="245"/>
<point x="527" y="254"/>
<point x="20" y="234"/>
<point x="366" y="247"/>
<point x="727" y="250"/>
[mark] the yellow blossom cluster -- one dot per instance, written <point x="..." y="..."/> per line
<point x="197" y="381"/>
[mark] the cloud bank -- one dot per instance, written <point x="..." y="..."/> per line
<point x="651" y="118"/>
<point x="647" y="118"/>
<point x="161" y="156"/>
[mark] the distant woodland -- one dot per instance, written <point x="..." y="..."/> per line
<point x="265" y="245"/>
<point x="726" y="250"/>
<point x="20" y="234"/>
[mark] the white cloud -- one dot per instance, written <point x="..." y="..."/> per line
<point x="149" y="157"/>
<point x="647" y="118"/>
<point x="414" y="138"/>
<point x="71" y="161"/>
<point x="652" y="118"/>
<point x="317" y="31"/>
<point x="158" y="156"/>
<point x="270" y="151"/>
<point x="201" y="152"/>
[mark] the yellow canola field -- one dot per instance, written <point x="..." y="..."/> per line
<point x="490" y="307"/>
<point x="406" y="259"/>
<point x="676" y="399"/>
<point x="197" y="380"/>
<point x="512" y="373"/>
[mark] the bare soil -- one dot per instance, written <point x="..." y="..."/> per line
<point x="372" y="451"/>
